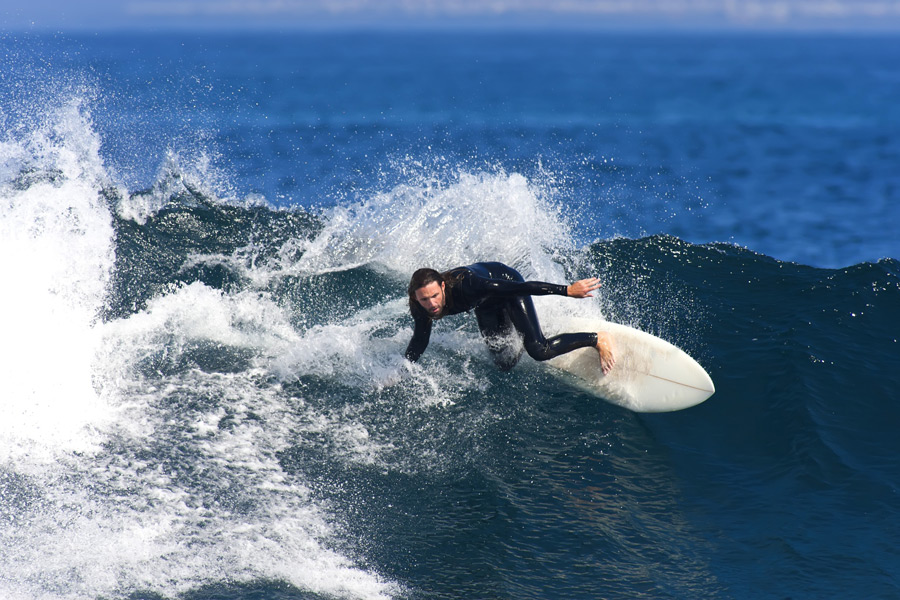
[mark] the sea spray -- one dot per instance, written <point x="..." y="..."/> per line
<point x="56" y="237"/>
<point x="433" y="220"/>
<point x="472" y="217"/>
<point x="141" y="453"/>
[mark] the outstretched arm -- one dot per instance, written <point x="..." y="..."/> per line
<point x="505" y="287"/>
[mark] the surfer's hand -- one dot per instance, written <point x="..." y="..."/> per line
<point x="583" y="288"/>
<point x="606" y="348"/>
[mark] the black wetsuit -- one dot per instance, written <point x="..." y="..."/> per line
<point x="502" y="302"/>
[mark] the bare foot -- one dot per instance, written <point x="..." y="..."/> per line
<point x="606" y="347"/>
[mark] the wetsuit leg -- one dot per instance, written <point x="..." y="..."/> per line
<point x="497" y="321"/>
<point x="523" y="316"/>
<point x="500" y="335"/>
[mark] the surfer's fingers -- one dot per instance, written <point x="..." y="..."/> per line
<point x="583" y="288"/>
<point x="591" y="283"/>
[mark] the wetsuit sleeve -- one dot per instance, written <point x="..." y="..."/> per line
<point x="420" y="338"/>
<point x="506" y="287"/>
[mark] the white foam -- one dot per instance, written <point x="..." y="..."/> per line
<point x="179" y="173"/>
<point x="477" y="217"/>
<point x="190" y="489"/>
<point x="117" y="480"/>
<point x="56" y="240"/>
<point x="197" y="313"/>
<point x="285" y="536"/>
<point x="204" y="505"/>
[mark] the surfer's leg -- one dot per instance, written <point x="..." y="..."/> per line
<point x="499" y="335"/>
<point x="521" y="311"/>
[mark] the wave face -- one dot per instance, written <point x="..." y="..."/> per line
<point x="201" y="394"/>
<point x="204" y="395"/>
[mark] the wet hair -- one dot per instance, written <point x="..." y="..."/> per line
<point x="420" y="279"/>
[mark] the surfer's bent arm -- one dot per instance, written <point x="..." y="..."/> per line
<point x="419" y="341"/>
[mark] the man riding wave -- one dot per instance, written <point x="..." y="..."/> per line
<point x="501" y="299"/>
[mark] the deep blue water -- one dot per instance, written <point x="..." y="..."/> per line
<point x="206" y="244"/>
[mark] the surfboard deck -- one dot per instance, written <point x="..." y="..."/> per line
<point x="650" y="375"/>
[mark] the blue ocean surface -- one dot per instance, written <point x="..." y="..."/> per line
<point x="206" y="242"/>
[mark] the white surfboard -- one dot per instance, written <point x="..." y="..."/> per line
<point x="650" y="374"/>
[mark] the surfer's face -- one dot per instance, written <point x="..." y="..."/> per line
<point x="431" y="298"/>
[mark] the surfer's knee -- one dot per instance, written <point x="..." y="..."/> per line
<point x="506" y="362"/>
<point x="539" y="351"/>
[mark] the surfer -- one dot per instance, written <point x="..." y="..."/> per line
<point x="502" y="302"/>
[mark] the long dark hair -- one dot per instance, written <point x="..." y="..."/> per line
<point x="420" y="279"/>
<point x="425" y="276"/>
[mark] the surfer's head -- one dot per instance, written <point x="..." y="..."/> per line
<point x="427" y="290"/>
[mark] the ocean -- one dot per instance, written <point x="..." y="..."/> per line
<point x="206" y="241"/>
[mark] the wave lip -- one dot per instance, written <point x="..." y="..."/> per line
<point x="57" y="235"/>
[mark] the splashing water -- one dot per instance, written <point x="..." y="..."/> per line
<point x="478" y="217"/>
<point x="123" y="466"/>
<point x="57" y="240"/>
